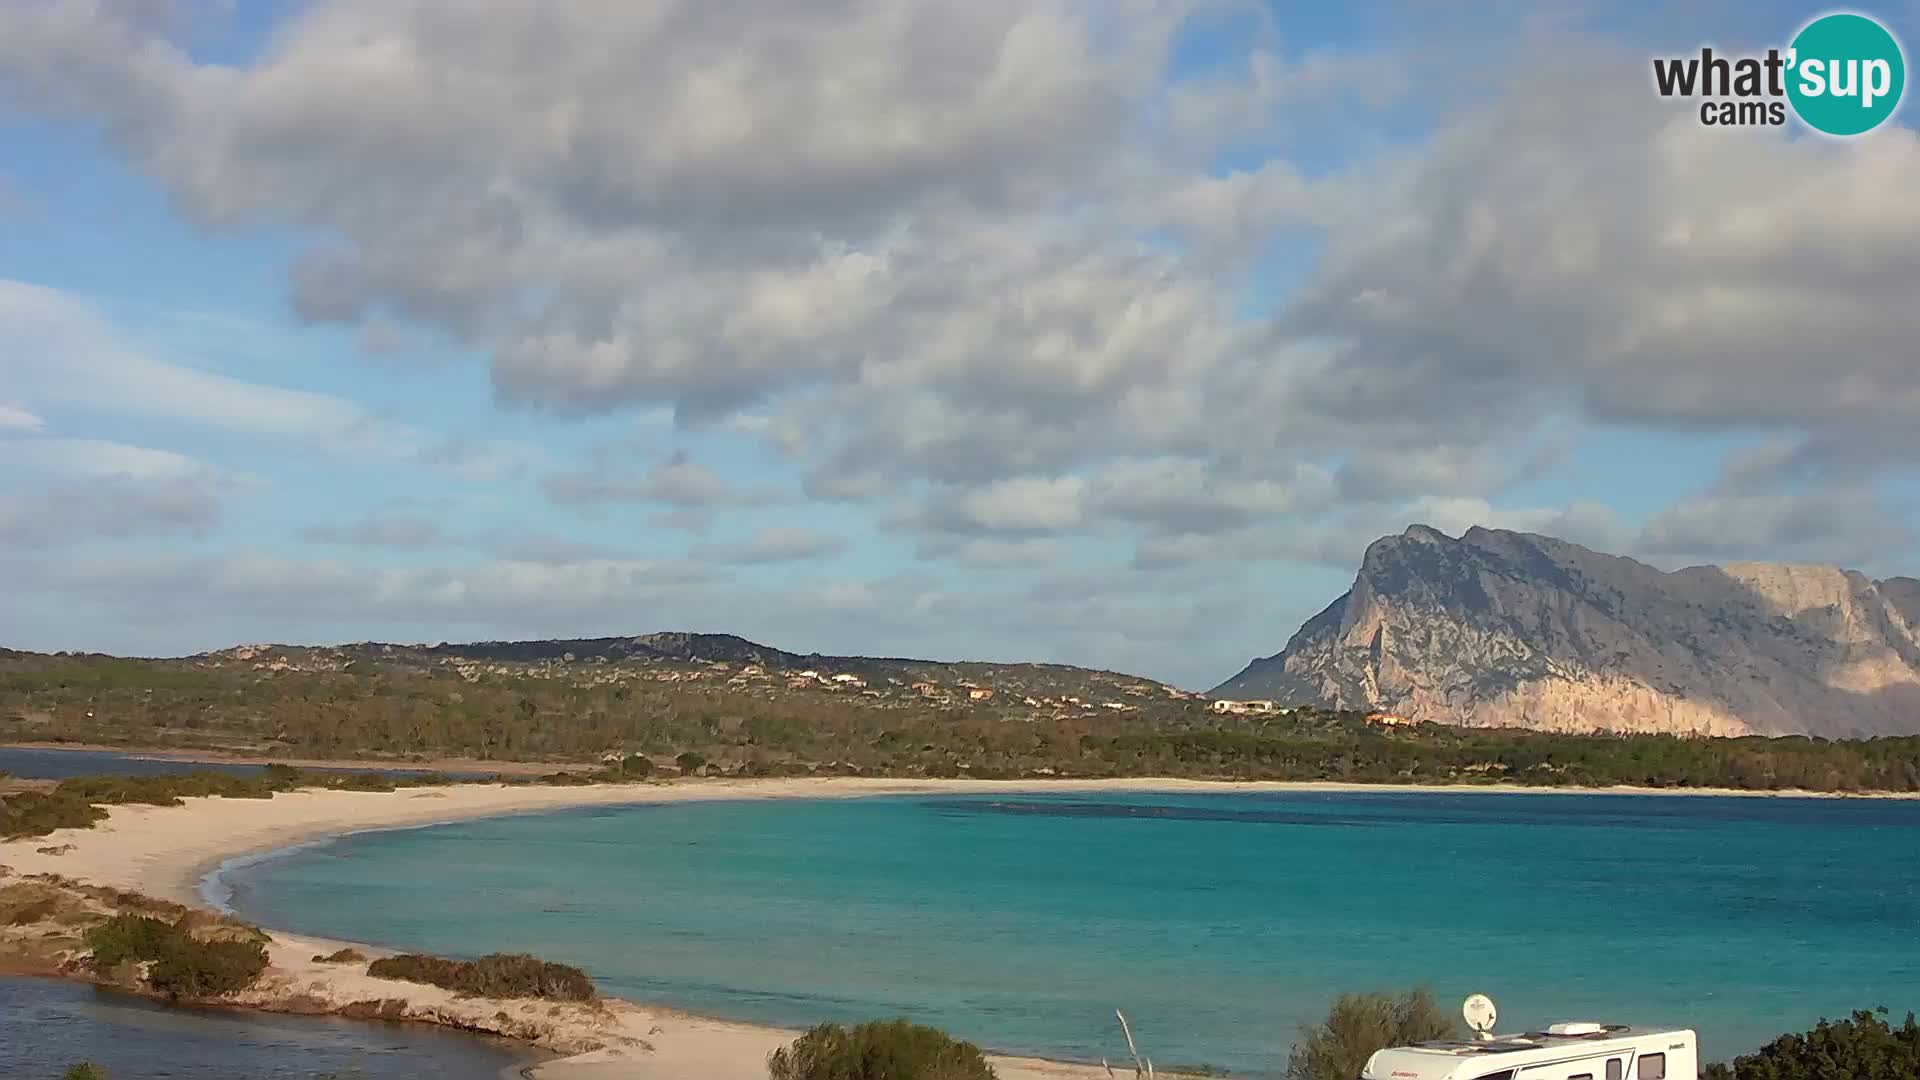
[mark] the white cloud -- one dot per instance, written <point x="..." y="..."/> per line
<point x="116" y="507"/>
<point x="62" y="350"/>
<point x="1022" y="504"/>
<point x="774" y="544"/>
<point x="97" y="458"/>
<point x="14" y="418"/>
<point x="388" y="531"/>
<point x="974" y="267"/>
<point x="1849" y="526"/>
<point x="1633" y="267"/>
<point x="678" y="482"/>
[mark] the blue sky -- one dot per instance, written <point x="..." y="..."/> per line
<point x="1107" y="334"/>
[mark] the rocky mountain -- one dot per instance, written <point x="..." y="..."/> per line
<point x="1501" y="628"/>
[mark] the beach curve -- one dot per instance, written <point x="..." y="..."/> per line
<point x="170" y="852"/>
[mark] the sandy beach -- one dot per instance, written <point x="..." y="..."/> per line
<point x="167" y="852"/>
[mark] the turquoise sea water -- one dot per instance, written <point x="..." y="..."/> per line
<point x="1218" y="922"/>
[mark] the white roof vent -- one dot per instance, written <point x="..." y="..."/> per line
<point x="1582" y="1028"/>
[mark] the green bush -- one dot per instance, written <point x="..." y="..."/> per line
<point x="1863" y="1047"/>
<point x="181" y="965"/>
<point x="1338" y="1047"/>
<point x="499" y="975"/>
<point x="636" y="765"/>
<point x="190" y="968"/>
<point x="365" y="782"/>
<point x="878" y="1050"/>
<point x="34" y="813"/>
<point x="86" y="1070"/>
<point x="129" y="937"/>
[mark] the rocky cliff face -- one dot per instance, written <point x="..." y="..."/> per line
<point x="1510" y="629"/>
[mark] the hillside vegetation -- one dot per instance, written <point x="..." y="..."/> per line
<point x="681" y="710"/>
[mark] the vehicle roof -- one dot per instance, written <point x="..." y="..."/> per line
<point x="1443" y="1058"/>
<point x="1534" y="1040"/>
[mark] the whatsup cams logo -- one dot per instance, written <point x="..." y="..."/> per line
<point x="1843" y="74"/>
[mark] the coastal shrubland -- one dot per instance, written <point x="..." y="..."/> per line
<point x="189" y="957"/>
<point x="499" y="975"/>
<point x="1864" y="1046"/>
<point x="393" y="706"/>
<point x="1337" y="1048"/>
<point x="80" y="802"/>
<point x="878" y="1050"/>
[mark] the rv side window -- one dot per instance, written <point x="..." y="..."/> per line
<point x="1506" y="1074"/>
<point x="1581" y="1076"/>
<point x="1652" y="1067"/>
<point x="1615" y="1070"/>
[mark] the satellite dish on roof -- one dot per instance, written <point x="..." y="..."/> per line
<point x="1480" y="1015"/>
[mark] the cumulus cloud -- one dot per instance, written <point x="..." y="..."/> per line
<point x="112" y="507"/>
<point x="678" y="482"/>
<point x="1632" y="266"/>
<point x="390" y="531"/>
<point x="1850" y="526"/>
<point x="774" y="544"/>
<point x="15" y="418"/>
<point x="60" y="491"/>
<point x="976" y="270"/>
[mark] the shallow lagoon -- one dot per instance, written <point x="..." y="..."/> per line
<point x="1219" y="922"/>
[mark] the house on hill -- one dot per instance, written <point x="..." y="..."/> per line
<point x="1238" y="708"/>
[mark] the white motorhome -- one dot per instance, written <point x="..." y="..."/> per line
<point x="1582" y="1051"/>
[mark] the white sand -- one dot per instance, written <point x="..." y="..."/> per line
<point x="167" y="851"/>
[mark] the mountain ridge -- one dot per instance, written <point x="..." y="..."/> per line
<point x="663" y="645"/>
<point x="1509" y="629"/>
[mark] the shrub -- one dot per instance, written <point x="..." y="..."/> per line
<point x="28" y="914"/>
<point x="86" y="1070"/>
<point x="280" y="777"/>
<point x="691" y="761"/>
<point x="1862" y="1047"/>
<point x="35" y="813"/>
<point x="1338" y="1047"/>
<point x="129" y="937"/>
<point x="636" y="765"/>
<point x="342" y="956"/>
<point x="499" y="975"/>
<point x="878" y="1050"/>
<point x="190" y="968"/>
<point x="181" y="965"/>
<point x="363" y="782"/>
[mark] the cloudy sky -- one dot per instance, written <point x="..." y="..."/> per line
<point x="1098" y="331"/>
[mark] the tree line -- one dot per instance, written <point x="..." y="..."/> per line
<point x="397" y="714"/>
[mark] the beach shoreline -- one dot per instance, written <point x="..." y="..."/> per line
<point x="171" y="878"/>
<point x="171" y="853"/>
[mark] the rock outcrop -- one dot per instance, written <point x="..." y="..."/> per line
<point x="1505" y="629"/>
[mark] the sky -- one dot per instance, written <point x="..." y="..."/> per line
<point x="1106" y="332"/>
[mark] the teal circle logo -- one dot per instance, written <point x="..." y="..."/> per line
<point x="1846" y="74"/>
